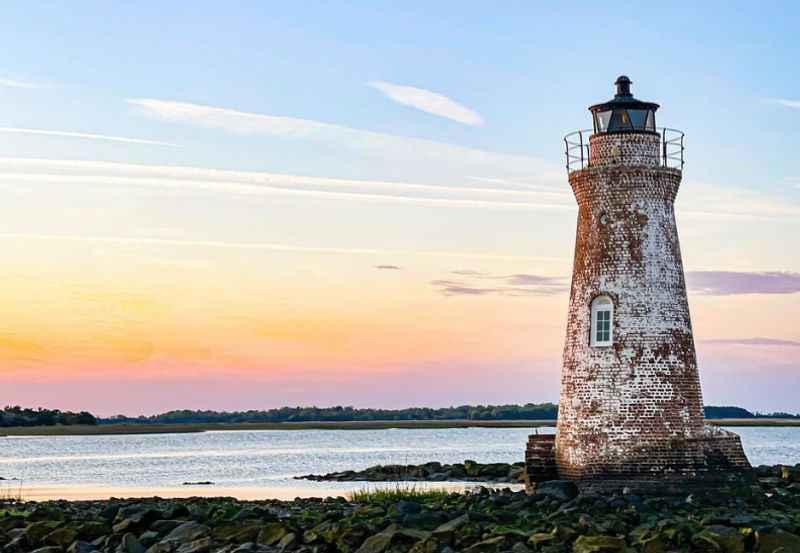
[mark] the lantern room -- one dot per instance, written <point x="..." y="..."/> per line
<point x="624" y="113"/>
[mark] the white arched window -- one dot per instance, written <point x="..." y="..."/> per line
<point x="602" y="321"/>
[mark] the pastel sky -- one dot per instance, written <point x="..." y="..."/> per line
<point x="253" y="204"/>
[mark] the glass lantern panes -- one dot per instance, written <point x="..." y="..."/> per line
<point x="625" y="119"/>
<point x="650" y="125"/>
<point x="638" y="118"/>
<point x="601" y="119"/>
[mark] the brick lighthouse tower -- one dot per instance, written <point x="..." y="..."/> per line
<point x="631" y="406"/>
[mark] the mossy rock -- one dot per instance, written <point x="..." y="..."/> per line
<point x="540" y="539"/>
<point x="271" y="533"/>
<point x="36" y="531"/>
<point x="378" y="543"/>
<point x="719" y="538"/>
<point x="777" y="541"/>
<point x="235" y="533"/>
<point x="61" y="537"/>
<point x="471" y="468"/>
<point x="599" y="544"/>
<point x="653" y="544"/>
<point x="92" y="529"/>
<point x="491" y="545"/>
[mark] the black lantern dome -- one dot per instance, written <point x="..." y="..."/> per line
<point x="624" y="113"/>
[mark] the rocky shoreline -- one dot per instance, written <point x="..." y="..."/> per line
<point x="760" y="514"/>
<point x="468" y="471"/>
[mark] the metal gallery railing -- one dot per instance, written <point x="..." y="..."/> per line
<point x="670" y="152"/>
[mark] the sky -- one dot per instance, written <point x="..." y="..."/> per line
<point x="254" y="204"/>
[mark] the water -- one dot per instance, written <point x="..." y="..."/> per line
<point x="268" y="459"/>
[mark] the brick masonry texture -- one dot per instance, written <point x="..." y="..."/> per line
<point x="540" y="459"/>
<point x="633" y="408"/>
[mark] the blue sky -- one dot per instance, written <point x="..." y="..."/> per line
<point x="527" y="68"/>
<point x="316" y="141"/>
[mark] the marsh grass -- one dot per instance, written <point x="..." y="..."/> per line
<point x="399" y="492"/>
<point x="11" y="491"/>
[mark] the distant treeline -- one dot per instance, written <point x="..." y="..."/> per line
<point x="18" y="416"/>
<point x="529" y="411"/>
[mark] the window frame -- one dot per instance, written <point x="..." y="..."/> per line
<point x="602" y="303"/>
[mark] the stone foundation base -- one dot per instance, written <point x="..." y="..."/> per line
<point x="713" y="458"/>
<point x="675" y="485"/>
<point x="540" y="459"/>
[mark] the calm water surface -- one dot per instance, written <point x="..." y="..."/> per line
<point x="270" y="458"/>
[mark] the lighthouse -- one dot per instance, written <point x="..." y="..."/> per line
<point x="630" y="406"/>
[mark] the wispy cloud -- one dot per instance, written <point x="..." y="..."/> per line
<point x="265" y="246"/>
<point x="726" y="283"/>
<point x="472" y="283"/>
<point x="707" y="283"/>
<point x="388" y="267"/>
<point x="450" y="164"/>
<point x="438" y="157"/>
<point x="70" y="172"/>
<point x="429" y="102"/>
<point x="794" y="104"/>
<point x="86" y="136"/>
<point x="13" y="83"/>
<point x="757" y="341"/>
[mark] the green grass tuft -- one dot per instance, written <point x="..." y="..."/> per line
<point x="400" y="492"/>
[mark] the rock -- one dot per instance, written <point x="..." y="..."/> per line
<point x="520" y="547"/>
<point x="288" y="542"/>
<point x="271" y="533"/>
<point x="187" y="532"/>
<point x="252" y="514"/>
<point x="351" y="538"/>
<point x="402" y="508"/>
<point x="653" y="544"/>
<point x="720" y="538"/>
<point x="129" y="544"/>
<point x="201" y="545"/>
<point x="12" y="521"/>
<point x="471" y="468"/>
<point x="379" y="542"/>
<point x="245" y="548"/>
<point x="426" y="520"/>
<point x="777" y="541"/>
<point x="163" y="527"/>
<point x="428" y="545"/>
<point x="233" y="533"/>
<point x="36" y="531"/>
<point x="61" y="537"/>
<point x="598" y="544"/>
<point x="541" y="539"/>
<point x="444" y="533"/>
<point x="138" y="514"/>
<point x="91" y="530"/>
<point x="561" y="490"/>
<point x="494" y="470"/>
<point x="81" y="547"/>
<point x="16" y="545"/>
<point x="45" y="513"/>
<point x="149" y="538"/>
<point x="491" y="545"/>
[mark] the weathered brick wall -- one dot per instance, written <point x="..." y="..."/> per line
<point x="624" y="149"/>
<point x="634" y="407"/>
<point x="540" y="459"/>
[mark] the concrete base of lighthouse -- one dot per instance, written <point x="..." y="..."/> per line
<point x="713" y="459"/>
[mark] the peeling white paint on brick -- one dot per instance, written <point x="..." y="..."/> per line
<point x="635" y="407"/>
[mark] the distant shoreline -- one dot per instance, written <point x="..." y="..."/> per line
<point x="117" y="429"/>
